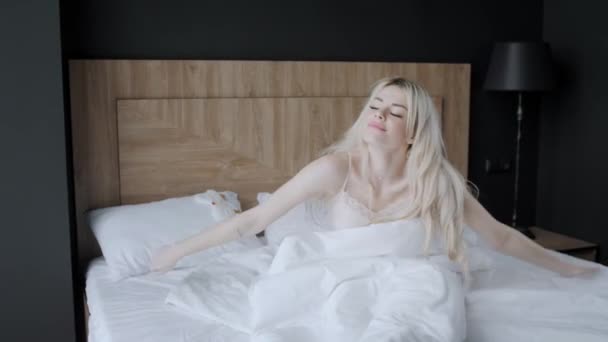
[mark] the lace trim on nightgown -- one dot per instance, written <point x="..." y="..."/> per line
<point x="357" y="205"/>
<point x="365" y="210"/>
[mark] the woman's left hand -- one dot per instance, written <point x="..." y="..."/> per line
<point x="164" y="259"/>
<point x="580" y="271"/>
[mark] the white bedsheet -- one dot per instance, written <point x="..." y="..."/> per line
<point x="515" y="301"/>
<point x="133" y="310"/>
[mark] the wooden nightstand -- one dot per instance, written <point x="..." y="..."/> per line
<point x="566" y="244"/>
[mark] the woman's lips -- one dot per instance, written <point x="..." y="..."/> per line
<point x="376" y="126"/>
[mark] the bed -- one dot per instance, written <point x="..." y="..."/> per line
<point x="513" y="303"/>
<point x="150" y="130"/>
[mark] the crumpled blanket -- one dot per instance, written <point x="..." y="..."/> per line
<point x="368" y="283"/>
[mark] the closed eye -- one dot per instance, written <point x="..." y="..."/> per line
<point x="393" y="114"/>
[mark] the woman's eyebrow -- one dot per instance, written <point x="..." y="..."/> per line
<point x="394" y="104"/>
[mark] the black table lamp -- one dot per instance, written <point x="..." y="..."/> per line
<point x="520" y="67"/>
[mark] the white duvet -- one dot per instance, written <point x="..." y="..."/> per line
<point x="359" y="284"/>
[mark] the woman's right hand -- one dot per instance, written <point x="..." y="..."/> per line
<point x="164" y="259"/>
<point x="580" y="271"/>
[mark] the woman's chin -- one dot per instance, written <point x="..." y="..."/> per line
<point x="379" y="142"/>
<point x="375" y="140"/>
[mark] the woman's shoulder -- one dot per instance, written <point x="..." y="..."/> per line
<point x="332" y="164"/>
<point x="340" y="160"/>
<point x="331" y="169"/>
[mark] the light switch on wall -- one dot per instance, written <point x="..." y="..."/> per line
<point x="501" y="165"/>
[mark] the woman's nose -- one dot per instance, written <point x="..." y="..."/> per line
<point x="378" y="114"/>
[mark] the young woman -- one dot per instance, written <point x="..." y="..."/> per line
<point x="390" y="165"/>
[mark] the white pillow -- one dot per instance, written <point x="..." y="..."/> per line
<point x="297" y="219"/>
<point x="129" y="234"/>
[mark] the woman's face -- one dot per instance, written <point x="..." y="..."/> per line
<point x="385" y="119"/>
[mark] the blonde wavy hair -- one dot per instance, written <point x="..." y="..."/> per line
<point x="438" y="188"/>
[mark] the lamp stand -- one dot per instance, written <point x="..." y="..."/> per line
<point x="520" y="115"/>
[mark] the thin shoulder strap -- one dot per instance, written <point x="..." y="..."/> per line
<point x="347" y="172"/>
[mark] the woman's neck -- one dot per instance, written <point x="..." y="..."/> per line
<point x="385" y="166"/>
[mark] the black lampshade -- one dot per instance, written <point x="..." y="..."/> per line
<point x="520" y="66"/>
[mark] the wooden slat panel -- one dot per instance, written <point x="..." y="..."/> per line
<point x="455" y="92"/>
<point x="170" y="148"/>
<point x="176" y="147"/>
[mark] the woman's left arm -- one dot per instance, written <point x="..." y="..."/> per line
<point x="509" y="241"/>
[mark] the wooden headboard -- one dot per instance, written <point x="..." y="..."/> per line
<point x="148" y="130"/>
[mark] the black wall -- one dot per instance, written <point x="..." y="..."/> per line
<point x="35" y="248"/>
<point x="407" y="31"/>
<point x="573" y="164"/>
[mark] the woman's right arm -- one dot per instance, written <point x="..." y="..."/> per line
<point x="315" y="179"/>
